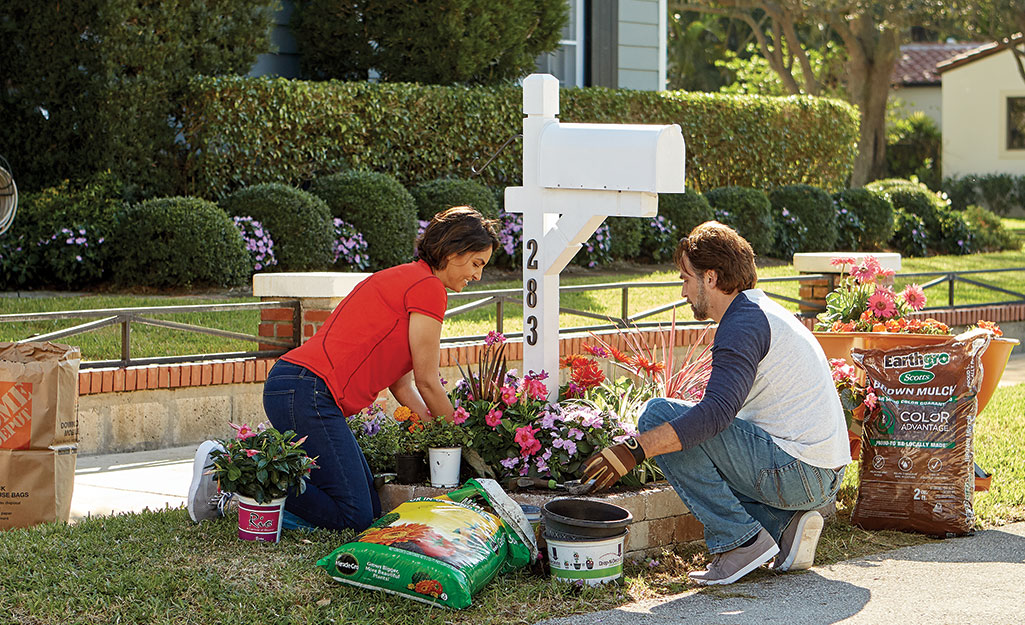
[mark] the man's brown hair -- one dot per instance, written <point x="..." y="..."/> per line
<point x="713" y="245"/>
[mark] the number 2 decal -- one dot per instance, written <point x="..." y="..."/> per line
<point x="532" y="258"/>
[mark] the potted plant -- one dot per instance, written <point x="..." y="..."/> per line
<point x="409" y="454"/>
<point x="855" y="398"/>
<point x="261" y="466"/>
<point x="378" y="436"/>
<point x="444" y="442"/>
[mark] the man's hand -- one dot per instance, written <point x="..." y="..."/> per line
<point x="612" y="463"/>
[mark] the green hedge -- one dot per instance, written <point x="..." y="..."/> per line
<point x="684" y="211"/>
<point x="749" y="212"/>
<point x="298" y="222"/>
<point x="998" y="193"/>
<point x="872" y="214"/>
<point x="179" y="242"/>
<point x="438" y="195"/>
<point x="813" y="208"/>
<point x="379" y="207"/>
<point x="249" y="130"/>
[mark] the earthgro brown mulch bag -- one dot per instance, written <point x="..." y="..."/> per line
<point x="38" y="432"/>
<point x="917" y="462"/>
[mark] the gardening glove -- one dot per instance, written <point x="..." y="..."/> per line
<point x="610" y="464"/>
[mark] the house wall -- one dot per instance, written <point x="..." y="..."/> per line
<point x="975" y="117"/>
<point x="927" y="99"/>
<point x="284" y="61"/>
<point x="641" y="49"/>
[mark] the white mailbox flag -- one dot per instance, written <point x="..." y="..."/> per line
<point x="574" y="176"/>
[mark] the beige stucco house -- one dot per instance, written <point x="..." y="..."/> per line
<point x="983" y="112"/>
<point x="916" y="83"/>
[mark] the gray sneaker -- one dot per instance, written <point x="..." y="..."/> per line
<point x="798" y="542"/>
<point x="730" y="566"/>
<point x="204" y="501"/>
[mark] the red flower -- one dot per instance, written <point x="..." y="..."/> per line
<point x="525" y="438"/>
<point x="573" y="361"/>
<point x="651" y="368"/>
<point x="588" y="375"/>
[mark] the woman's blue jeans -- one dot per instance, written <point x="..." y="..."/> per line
<point x="739" y="481"/>
<point x="340" y="493"/>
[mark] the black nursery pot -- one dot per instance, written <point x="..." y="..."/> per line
<point x="410" y="468"/>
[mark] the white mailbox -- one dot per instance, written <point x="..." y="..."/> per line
<point x="575" y="175"/>
<point x="611" y="156"/>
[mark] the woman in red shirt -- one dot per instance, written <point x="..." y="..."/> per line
<point x="385" y="334"/>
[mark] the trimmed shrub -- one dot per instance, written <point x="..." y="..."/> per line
<point x="625" y="235"/>
<point x="462" y="41"/>
<point x="909" y="234"/>
<point x="379" y="207"/>
<point x="659" y="241"/>
<point x="435" y="196"/>
<point x="998" y="193"/>
<point x="913" y="149"/>
<point x="955" y="236"/>
<point x="790" y="233"/>
<point x="873" y="213"/>
<point x="298" y="222"/>
<point x="245" y="131"/>
<point x="596" y="250"/>
<point x="917" y="199"/>
<point x="814" y="210"/>
<point x="684" y="211"/>
<point x="749" y="212"/>
<point x="64" y="233"/>
<point x="101" y="79"/>
<point x="179" y="242"/>
<point x="988" y="231"/>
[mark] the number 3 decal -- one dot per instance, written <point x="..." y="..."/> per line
<point x="532" y="335"/>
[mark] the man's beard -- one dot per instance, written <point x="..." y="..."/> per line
<point x="699" y="305"/>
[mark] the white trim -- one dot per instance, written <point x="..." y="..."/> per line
<point x="1003" y="152"/>
<point x="663" y="42"/>
<point x="580" y="34"/>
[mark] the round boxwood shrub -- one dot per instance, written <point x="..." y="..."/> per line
<point x="625" y="235"/>
<point x="909" y="234"/>
<point x="435" y="196"/>
<point x="946" y="233"/>
<point x="684" y="211"/>
<point x="814" y="210"/>
<point x="298" y="222"/>
<point x="380" y="208"/>
<point x="749" y="212"/>
<point x="874" y="213"/>
<point x="179" y="242"/>
<point x="988" y="231"/>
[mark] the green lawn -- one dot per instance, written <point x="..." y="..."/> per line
<point x="159" y="568"/>
<point x="104" y="344"/>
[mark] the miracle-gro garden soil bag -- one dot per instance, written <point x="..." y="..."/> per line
<point x="440" y="550"/>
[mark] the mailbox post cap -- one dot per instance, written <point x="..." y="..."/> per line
<point x="541" y="95"/>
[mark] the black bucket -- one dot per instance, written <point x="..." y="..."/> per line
<point x="584" y="519"/>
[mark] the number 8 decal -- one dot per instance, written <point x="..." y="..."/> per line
<point x="531" y="293"/>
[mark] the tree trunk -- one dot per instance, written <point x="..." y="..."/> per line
<point x="869" y="85"/>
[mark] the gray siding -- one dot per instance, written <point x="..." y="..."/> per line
<point x="638" y="44"/>
<point x="284" y="61"/>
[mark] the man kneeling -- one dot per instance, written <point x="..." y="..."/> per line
<point x="767" y="444"/>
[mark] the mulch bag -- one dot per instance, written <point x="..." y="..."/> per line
<point x="440" y="550"/>
<point x="38" y="395"/>
<point x="917" y="463"/>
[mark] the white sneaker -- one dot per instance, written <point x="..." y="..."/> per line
<point x="729" y="566"/>
<point x="204" y="501"/>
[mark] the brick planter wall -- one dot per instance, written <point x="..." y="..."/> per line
<point x="660" y="520"/>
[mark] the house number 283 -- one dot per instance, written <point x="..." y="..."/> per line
<point x="531" y="320"/>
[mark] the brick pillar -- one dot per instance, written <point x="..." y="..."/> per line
<point x="279" y="323"/>
<point x="815" y="290"/>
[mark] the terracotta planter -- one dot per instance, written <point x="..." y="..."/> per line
<point x="994" y="359"/>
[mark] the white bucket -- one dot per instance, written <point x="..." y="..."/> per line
<point x="444" y="463"/>
<point x="593" y="561"/>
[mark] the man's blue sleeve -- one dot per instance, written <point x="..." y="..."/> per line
<point x="741" y="341"/>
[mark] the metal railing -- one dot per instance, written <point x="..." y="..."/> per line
<point x="126" y="317"/>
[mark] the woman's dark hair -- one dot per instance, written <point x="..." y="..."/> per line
<point x="457" y="230"/>
<point x="713" y="245"/>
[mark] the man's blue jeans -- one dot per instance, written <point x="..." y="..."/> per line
<point x="340" y="493"/>
<point x="739" y="481"/>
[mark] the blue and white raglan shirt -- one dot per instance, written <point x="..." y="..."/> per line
<point x="768" y="369"/>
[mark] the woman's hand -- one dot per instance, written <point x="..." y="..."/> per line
<point x="425" y="349"/>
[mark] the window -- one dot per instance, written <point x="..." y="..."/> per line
<point x="1016" y="123"/>
<point x="567" y="63"/>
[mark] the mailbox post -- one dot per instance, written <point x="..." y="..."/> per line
<point x="575" y="175"/>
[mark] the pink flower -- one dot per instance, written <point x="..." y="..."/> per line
<point x="533" y="388"/>
<point x="870" y="401"/>
<point x="575" y="433"/>
<point x="885" y="273"/>
<point x="252" y="452"/>
<point x="525" y="438"/>
<point x="914" y="296"/>
<point x="863" y="273"/>
<point x="494" y="338"/>
<point x="460" y="416"/>
<point x="508" y="395"/>
<point x="565" y="443"/>
<point x="493" y="418"/>
<point x="881" y="303"/>
<point x="244" y="431"/>
<point x="841" y="261"/>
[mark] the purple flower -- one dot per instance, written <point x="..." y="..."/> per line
<point x="509" y="463"/>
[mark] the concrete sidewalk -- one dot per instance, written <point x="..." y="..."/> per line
<point x="131" y="482"/>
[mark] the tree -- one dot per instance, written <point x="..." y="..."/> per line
<point x="1002" y="21"/>
<point x="427" y="41"/>
<point x="871" y="33"/>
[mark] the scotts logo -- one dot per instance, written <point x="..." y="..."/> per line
<point x="916" y="360"/>
<point x="346" y="564"/>
<point x="916" y="376"/>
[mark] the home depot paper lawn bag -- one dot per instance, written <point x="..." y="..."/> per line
<point x="38" y="395"/>
<point x="36" y="485"/>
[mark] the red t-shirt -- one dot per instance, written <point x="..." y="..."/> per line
<point x="363" y="347"/>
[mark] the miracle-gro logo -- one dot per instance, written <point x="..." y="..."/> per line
<point x="916" y="360"/>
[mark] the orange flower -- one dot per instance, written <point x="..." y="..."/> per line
<point x="588" y="375"/>
<point x="573" y="361"/>
<point x="618" y="355"/>
<point x="407" y="532"/>
<point x="403" y="413"/>
<point x="651" y="368"/>
<point x="991" y="326"/>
